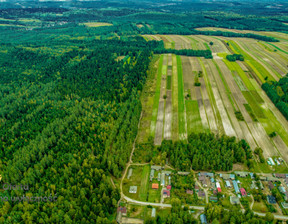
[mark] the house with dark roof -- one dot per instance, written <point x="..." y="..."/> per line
<point x="280" y="175"/>
<point x="166" y="194"/>
<point x="213" y="198"/>
<point x="203" y="181"/>
<point x="271" y="199"/>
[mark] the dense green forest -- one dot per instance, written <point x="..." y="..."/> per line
<point x="222" y="154"/>
<point x="278" y="93"/>
<point x="64" y="115"/>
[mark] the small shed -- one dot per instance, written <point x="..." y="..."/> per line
<point x="133" y="189"/>
<point x="203" y="219"/>
<point x="153" y="214"/>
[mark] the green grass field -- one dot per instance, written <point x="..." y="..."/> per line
<point x="258" y="111"/>
<point x="144" y="183"/>
<point x="194" y="123"/>
<point x="181" y="101"/>
<point x="169" y="79"/>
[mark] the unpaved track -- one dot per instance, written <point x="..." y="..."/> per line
<point x="168" y="116"/>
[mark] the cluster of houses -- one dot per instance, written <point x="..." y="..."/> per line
<point x="164" y="177"/>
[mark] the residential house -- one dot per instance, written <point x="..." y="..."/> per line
<point x="232" y="176"/>
<point x="155" y="186"/>
<point x="122" y="210"/>
<point x="273" y="179"/>
<point x="280" y="175"/>
<point x="203" y="181"/>
<point x="169" y="187"/>
<point x="133" y="189"/>
<point x="241" y="174"/>
<point x="153" y="213"/>
<point x="203" y="219"/>
<point x="228" y="184"/>
<point x="243" y="192"/>
<point x="271" y="199"/>
<point x="236" y="188"/>
<point x="166" y="194"/>
<point x="282" y="189"/>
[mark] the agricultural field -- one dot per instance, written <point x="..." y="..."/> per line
<point x="97" y="24"/>
<point x="194" y="94"/>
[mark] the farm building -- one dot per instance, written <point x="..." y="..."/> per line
<point x="155" y="186"/>
<point x="212" y="180"/>
<point x="166" y="194"/>
<point x="214" y="199"/>
<point x="228" y="184"/>
<point x="169" y="187"/>
<point x="203" y="219"/>
<point x="271" y="199"/>
<point x="236" y="188"/>
<point x="159" y="177"/>
<point x="273" y="179"/>
<point x="122" y="210"/>
<point x="202" y="174"/>
<point x="243" y="192"/>
<point x="152" y="174"/>
<point x="234" y="200"/>
<point x="169" y="180"/>
<point x="129" y="173"/>
<point x="241" y="174"/>
<point x="270" y="161"/>
<point x="263" y="178"/>
<point x="133" y="189"/>
<point x="189" y="192"/>
<point x="156" y="168"/>
<point x="153" y="214"/>
<point x="218" y="185"/>
<point x="232" y="176"/>
<point x="251" y="175"/>
<point x="225" y="176"/>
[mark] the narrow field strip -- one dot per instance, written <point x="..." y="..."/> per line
<point x="181" y="102"/>
<point x="156" y="98"/>
<point x="175" y="135"/>
<point x="201" y="107"/>
<point x="194" y="124"/>
<point x="168" y="116"/>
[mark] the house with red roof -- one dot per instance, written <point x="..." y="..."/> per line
<point x="169" y="187"/>
<point x="243" y="192"/>
<point x="219" y="190"/>
<point x="122" y="210"/>
<point x="155" y="186"/>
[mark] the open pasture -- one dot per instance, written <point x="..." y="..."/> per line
<point x="228" y="99"/>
